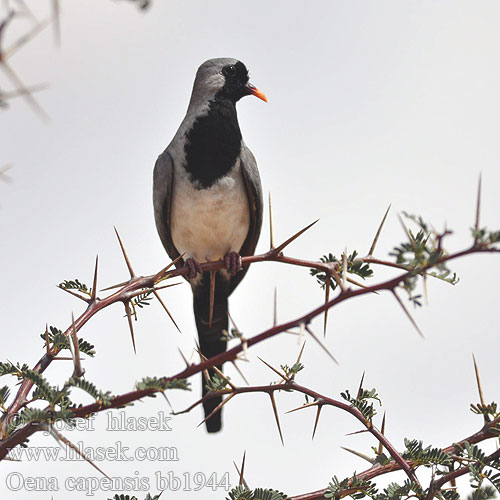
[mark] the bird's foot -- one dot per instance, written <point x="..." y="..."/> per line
<point x="232" y="263"/>
<point x="194" y="268"/>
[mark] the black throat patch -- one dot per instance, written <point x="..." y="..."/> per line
<point x="214" y="143"/>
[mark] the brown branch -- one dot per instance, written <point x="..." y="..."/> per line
<point x="321" y="400"/>
<point x="378" y="470"/>
<point x="124" y="294"/>
<point x="398" y="462"/>
<point x="137" y="283"/>
<point x="436" y="485"/>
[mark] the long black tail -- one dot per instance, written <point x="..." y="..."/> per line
<point x="210" y="337"/>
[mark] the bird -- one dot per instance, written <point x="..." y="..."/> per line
<point x="207" y="199"/>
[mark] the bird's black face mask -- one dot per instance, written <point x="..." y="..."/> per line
<point x="236" y="85"/>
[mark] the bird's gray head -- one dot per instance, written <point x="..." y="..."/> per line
<point x="225" y="78"/>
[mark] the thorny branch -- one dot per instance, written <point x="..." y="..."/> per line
<point x="319" y="401"/>
<point x="140" y="286"/>
<point x="378" y="470"/>
<point x="143" y="284"/>
<point x="135" y="284"/>
<point x="129" y="289"/>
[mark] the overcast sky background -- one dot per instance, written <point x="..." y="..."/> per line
<point x="370" y="104"/>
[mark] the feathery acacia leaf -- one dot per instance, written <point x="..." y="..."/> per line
<point x="75" y="285"/>
<point x="161" y="384"/>
<point x="418" y="455"/>
<point x="356" y="488"/>
<point x="103" y="398"/>
<point x="143" y="299"/>
<point x="61" y="342"/>
<point x="241" y="492"/>
<point x="354" y="266"/>
<point x="422" y="252"/>
<point x="293" y="370"/>
<point x="43" y="389"/>
<point x="361" y="402"/>
<point x="217" y="383"/>
<point x="11" y="369"/>
<point x="4" y="395"/>
<point x="128" y="497"/>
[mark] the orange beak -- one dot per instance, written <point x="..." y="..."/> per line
<point x="256" y="92"/>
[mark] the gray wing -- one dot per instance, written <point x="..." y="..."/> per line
<point x="253" y="188"/>
<point x="163" y="177"/>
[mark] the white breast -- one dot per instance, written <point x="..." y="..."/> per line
<point x="206" y="224"/>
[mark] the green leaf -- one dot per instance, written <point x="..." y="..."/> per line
<point x="490" y="410"/>
<point x="217" y="383"/>
<point x="419" y="255"/>
<point x="160" y="384"/>
<point x="354" y="266"/>
<point x="356" y="486"/>
<point x="450" y="495"/>
<point x="11" y="369"/>
<point x="4" y="395"/>
<point x="143" y="299"/>
<point x="485" y="493"/>
<point x="240" y="493"/>
<point x="265" y="494"/>
<point x="233" y="334"/>
<point x="103" y="398"/>
<point x="33" y="415"/>
<point x="425" y="456"/>
<point x="396" y="491"/>
<point x="243" y="493"/>
<point x="58" y="340"/>
<point x="293" y="370"/>
<point x="43" y="389"/>
<point x="483" y="237"/>
<point x="362" y="402"/>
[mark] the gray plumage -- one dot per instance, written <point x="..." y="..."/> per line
<point x="207" y="195"/>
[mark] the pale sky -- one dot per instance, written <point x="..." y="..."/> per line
<point x="370" y="104"/>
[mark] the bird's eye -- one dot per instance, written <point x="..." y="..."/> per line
<point x="229" y="71"/>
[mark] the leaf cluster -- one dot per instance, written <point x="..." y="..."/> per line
<point x="354" y="266"/>
<point x="11" y="369"/>
<point x="422" y="252"/>
<point x="142" y="300"/>
<point x="490" y="410"/>
<point x="362" y="401"/>
<point x="243" y="493"/>
<point x="103" y="398"/>
<point x="484" y="238"/>
<point x="75" y="285"/>
<point x="58" y="398"/>
<point x="217" y="383"/>
<point x="128" y="497"/>
<point x="293" y="370"/>
<point x="484" y="493"/>
<point x="4" y="395"/>
<point x="234" y="333"/>
<point x="59" y="341"/>
<point x="162" y="384"/>
<point x="355" y="487"/>
<point x="37" y="415"/>
<point x="428" y="456"/>
<point x="396" y="491"/>
<point x="481" y="468"/>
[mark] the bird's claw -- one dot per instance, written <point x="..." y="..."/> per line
<point x="232" y="263"/>
<point x="194" y="268"/>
